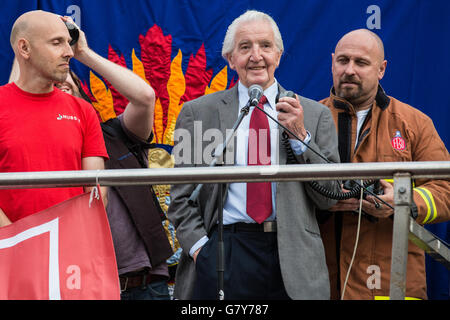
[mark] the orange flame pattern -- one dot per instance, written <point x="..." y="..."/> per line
<point x="172" y="87"/>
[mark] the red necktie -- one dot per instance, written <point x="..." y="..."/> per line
<point x="259" y="194"/>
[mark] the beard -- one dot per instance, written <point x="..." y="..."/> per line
<point x="350" y="94"/>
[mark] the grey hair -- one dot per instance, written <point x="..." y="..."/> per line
<point x="248" y="16"/>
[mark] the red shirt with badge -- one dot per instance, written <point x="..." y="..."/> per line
<point x="44" y="132"/>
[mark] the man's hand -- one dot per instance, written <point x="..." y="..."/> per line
<point x="383" y="211"/>
<point x="81" y="46"/>
<point x="369" y="205"/>
<point x="351" y="204"/>
<point x="291" y="116"/>
<point x="196" y="254"/>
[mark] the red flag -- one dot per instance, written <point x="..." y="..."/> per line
<point x="63" y="252"/>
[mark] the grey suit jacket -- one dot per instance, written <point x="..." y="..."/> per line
<point x="301" y="252"/>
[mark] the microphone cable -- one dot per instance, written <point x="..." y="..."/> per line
<point x="358" y="228"/>
<point x="316" y="186"/>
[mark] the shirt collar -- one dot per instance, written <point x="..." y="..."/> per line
<point x="270" y="93"/>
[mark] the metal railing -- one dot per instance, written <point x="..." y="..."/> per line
<point x="403" y="172"/>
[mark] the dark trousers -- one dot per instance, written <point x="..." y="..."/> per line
<point x="153" y="291"/>
<point x="252" y="268"/>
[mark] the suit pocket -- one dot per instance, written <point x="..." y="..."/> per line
<point x="207" y="253"/>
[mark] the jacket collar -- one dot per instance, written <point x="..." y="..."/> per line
<point x="381" y="99"/>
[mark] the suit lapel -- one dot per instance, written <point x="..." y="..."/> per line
<point x="228" y="109"/>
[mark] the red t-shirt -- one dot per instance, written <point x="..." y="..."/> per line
<point x="44" y="132"/>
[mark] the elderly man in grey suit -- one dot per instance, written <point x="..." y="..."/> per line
<point x="273" y="248"/>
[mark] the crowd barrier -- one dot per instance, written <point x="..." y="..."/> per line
<point x="405" y="228"/>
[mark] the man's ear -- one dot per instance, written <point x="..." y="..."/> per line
<point x="23" y="48"/>
<point x="280" y="54"/>
<point x="332" y="62"/>
<point x="382" y="70"/>
<point x="230" y="61"/>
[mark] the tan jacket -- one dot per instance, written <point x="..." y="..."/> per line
<point x="393" y="131"/>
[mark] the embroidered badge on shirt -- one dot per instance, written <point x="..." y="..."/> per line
<point x="398" y="143"/>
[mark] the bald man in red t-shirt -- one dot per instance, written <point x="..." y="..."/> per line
<point x="42" y="128"/>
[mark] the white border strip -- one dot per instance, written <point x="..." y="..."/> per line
<point x="53" y="272"/>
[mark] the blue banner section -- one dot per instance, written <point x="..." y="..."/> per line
<point x="9" y="12"/>
<point x="413" y="31"/>
<point x="416" y="36"/>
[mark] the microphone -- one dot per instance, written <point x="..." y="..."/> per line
<point x="283" y="94"/>
<point x="255" y="93"/>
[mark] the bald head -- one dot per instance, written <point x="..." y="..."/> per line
<point x="40" y="41"/>
<point x="364" y="36"/>
<point x="30" y="24"/>
<point x="358" y="66"/>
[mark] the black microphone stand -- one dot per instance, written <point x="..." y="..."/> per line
<point x="217" y="161"/>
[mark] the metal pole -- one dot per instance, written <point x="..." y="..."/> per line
<point x="399" y="257"/>
<point x="220" y="247"/>
<point x="427" y="241"/>
<point x="303" y="172"/>
<point x="226" y="174"/>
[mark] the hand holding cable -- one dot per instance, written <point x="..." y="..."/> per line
<point x="289" y="98"/>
